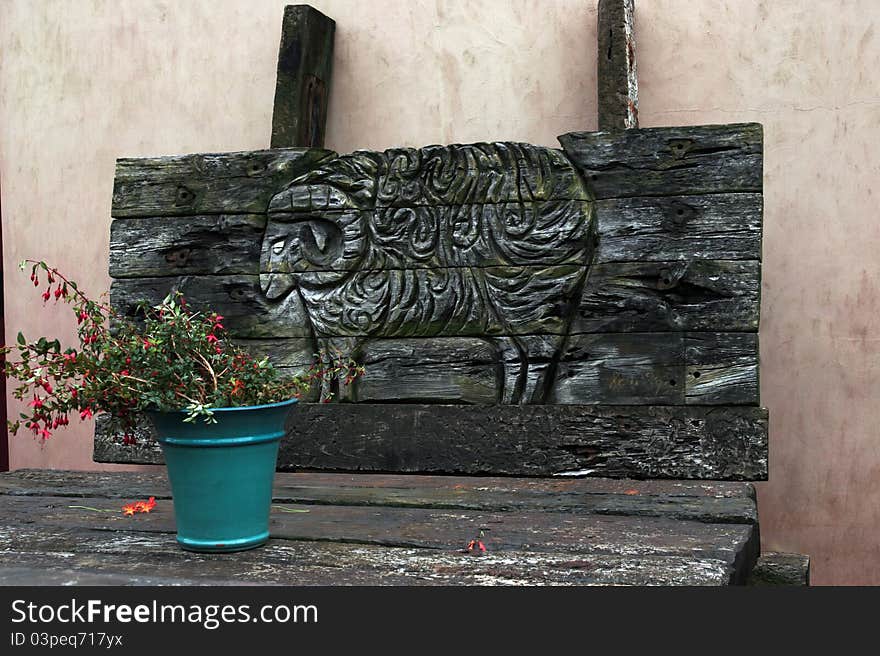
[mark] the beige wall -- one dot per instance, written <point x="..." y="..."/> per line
<point x="82" y="83"/>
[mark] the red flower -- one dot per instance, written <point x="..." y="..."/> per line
<point x="147" y="343"/>
<point x="86" y="414"/>
<point x="36" y="403"/>
<point x="212" y="338"/>
<point x="130" y="509"/>
<point x="47" y="387"/>
<point x="124" y="372"/>
<point x="46" y="295"/>
<point x="58" y="292"/>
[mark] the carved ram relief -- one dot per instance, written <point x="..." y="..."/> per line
<point x="492" y="241"/>
<point x="622" y="270"/>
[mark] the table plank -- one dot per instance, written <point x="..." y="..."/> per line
<point x="391" y="529"/>
<point x="724" y="503"/>
<point x="40" y="555"/>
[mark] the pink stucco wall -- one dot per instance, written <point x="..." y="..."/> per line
<point x="83" y="83"/>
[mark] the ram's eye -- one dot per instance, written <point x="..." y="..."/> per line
<point x="278" y="247"/>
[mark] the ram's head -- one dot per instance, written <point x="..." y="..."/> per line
<point x="314" y="235"/>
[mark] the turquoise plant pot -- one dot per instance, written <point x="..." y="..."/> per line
<point x="221" y="474"/>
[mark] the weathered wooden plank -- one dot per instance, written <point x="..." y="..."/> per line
<point x="210" y="183"/>
<point x="722" y="368"/>
<point x="472" y="494"/>
<point x="451" y="301"/>
<point x="379" y="487"/>
<point x="700" y="295"/>
<point x="434" y="370"/>
<point x="46" y="555"/>
<point x="722" y="443"/>
<point x="661" y="228"/>
<point x="616" y="65"/>
<point x="618" y="297"/>
<point x="599" y="368"/>
<point x="715" y="226"/>
<point x="434" y="529"/>
<point x="642" y="442"/>
<point x="302" y="90"/>
<point x="174" y="246"/>
<point x="774" y="568"/>
<point x="676" y="161"/>
<point x="622" y="369"/>
<point x="239" y="298"/>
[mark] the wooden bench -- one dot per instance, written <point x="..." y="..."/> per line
<point x="548" y="334"/>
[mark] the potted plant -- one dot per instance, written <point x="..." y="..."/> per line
<point x="219" y="412"/>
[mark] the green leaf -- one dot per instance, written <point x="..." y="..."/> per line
<point x="21" y="339"/>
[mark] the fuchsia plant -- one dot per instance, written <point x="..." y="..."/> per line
<point x="169" y="358"/>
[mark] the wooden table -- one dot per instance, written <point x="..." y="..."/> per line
<point x="63" y="527"/>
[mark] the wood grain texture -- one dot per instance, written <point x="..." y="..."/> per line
<point x="238" y="298"/>
<point x="659" y="369"/>
<point x="710" y="227"/>
<point x="617" y="78"/>
<point x="699" y="295"/>
<point x="775" y="568"/>
<point x="677" y="161"/>
<point x="599" y="368"/>
<point x="210" y="183"/>
<point x="433" y="531"/>
<point x="723" y="443"/>
<point x="302" y="89"/>
<point x="50" y="555"/>
<point x="174" y="246"/>
<point x="54" y="482"/>
<point x="722" y="368"/>
<point x="719" y="296"/>
<point x="684" y="228"/>
<point x="389" y="529"/>
<point x="719" y="503"/>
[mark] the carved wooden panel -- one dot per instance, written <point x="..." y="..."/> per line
<point x="623" y="270"/>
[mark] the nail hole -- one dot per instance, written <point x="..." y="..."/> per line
<point x="672" y="383"/>
<point x="680" y="212"/>
<point x="184" y="195"/>
<point x="696" y="374"/>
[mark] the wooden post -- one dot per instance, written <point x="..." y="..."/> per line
<point x="305" y="62"/>
<point x="617" y="75"/>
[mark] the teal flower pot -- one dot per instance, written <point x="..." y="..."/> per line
<point x="221" y="474"/>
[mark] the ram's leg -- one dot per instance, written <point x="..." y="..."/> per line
<point x="542" y="352"/>
<point x="332" y="350"/>
<point x="512" y="363"/>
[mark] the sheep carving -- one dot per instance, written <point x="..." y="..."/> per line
<point x="486" y="240"/>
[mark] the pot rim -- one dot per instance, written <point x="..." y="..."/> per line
<point x="232" y="408"/>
